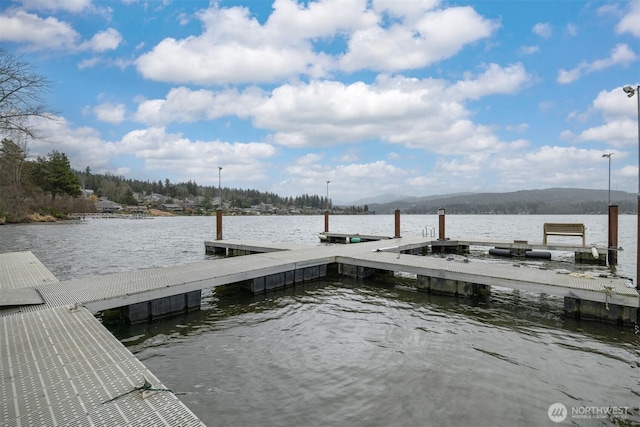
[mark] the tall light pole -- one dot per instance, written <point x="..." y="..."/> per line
<point x="328" y="195"/>
<point x="609" y="156"/>
<point x="630" y="92"/>
<point x="219" y="184"/>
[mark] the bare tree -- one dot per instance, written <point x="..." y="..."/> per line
<point x="21" y="92"/>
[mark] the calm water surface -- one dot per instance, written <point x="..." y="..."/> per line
<point x="348" y="353"/>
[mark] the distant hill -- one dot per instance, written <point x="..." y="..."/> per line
<point x="548" y="201"/>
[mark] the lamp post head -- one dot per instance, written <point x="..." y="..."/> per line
<point x="629" y="91"/>
<point x="608" y="155"/>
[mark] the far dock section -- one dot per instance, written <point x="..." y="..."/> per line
<point x="520" y="248"/>
<point x="517" y="248"/>
<point x="328" y="237"/>
<point x="244" y="247"/>
<point x="603" y="298"/>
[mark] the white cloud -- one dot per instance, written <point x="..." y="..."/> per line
<point x="542" y="29"/>
<point x="296" y="22"/>
<point x="434" y="36"/>
<point x="552" y="166"/>
<point x="187" y="105"/>
<point x="110" y="113"/>
<point x="620" y="121"/>
<point x="236" y="48"/>
<point x="495" y="79"/>
<point x="620" y="55"/>
<point x="37" y="33"/>
<point x="82" y="145"/>
<point x="308" y="159"/>
<point x="172" y="155"/>
<point x="424" y="114"/>
<point x="88" y="63"/>
<point x="73" y="6"/>
<point x="630" y="22"/>
<point x="108" y="39"/>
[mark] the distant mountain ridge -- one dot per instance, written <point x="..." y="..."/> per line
<point x="544" y="201"/>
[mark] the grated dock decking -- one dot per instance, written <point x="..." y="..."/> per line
<point x="58" y="364"/>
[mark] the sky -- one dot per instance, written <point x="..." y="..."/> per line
<point x="379" y="97"/>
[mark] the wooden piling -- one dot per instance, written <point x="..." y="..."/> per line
<point x="613" y="235"/>
<point x="397" y="222"/>
<point x="441" y="224"/>
<point x="326" y="221"/>
<point x="219" y="224"/>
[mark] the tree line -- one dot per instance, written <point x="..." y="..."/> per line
<point x="128" y="191"/>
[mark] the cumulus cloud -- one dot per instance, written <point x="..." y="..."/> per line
<point x="186" y="105"/>
<point x="494" y="80"/>
<point x="35" y="32"/>
<point x="108" y="39"/>
<point x="436" y="35"/>
<point x="619" y="128"/>
<point x="620" y="55"/>
<point x="38" y="33"/>
<point x="428" y="114"/>
<point x="235" y="48"/>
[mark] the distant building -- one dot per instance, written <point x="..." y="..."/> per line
<point x="107" y="206"/>
<point x="170" y="207"/>
<point x="264" y="208"/>
<point x="137" y="209"/>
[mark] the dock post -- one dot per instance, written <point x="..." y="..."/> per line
<point x="326" y="221"/>
<point x="613" y="235"/>
<point x="219" y="224"/>
<point x="441" y="233"/>
<point x="397" y="227"/>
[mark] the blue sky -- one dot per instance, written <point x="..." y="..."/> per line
<point x="379" y="97"/>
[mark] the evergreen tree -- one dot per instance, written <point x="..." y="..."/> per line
<point x="54" y="175"/>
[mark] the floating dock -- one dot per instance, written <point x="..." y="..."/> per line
<point x="60" y="366"/>
<point x="583" y="254"/>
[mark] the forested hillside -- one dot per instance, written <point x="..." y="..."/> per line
<point x="129" y="191"/>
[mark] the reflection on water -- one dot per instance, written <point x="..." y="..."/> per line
<point x="346" y="352"/>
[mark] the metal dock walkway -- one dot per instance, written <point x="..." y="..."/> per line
<point x="60" y="366"/>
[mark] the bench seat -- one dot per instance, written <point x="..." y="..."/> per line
<point x="564" y="229"/>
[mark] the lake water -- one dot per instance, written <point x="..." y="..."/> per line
<point x="351" y="353"/>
